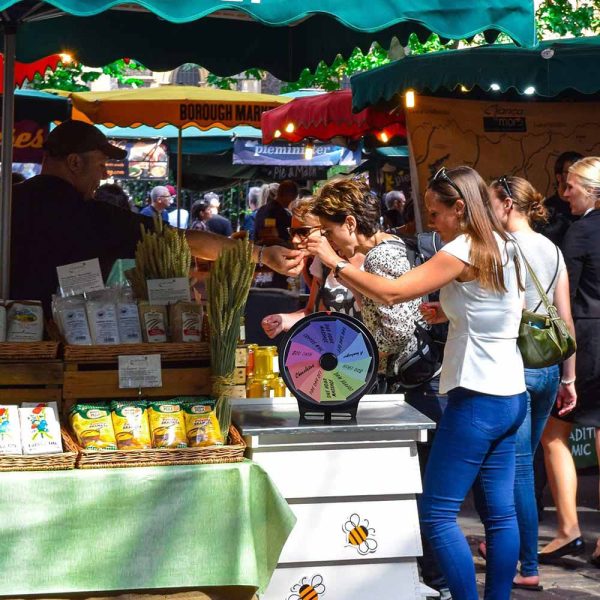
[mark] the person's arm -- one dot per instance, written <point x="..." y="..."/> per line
<point x="273" y="325"/>
<point x="208" y="246"/>
<point x="437" y="272"/>
<point x="566" y="399"/>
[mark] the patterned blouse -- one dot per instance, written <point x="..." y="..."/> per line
<point x="392" y="326"/>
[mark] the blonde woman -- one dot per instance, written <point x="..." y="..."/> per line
<point x="581" y="248"/>
<point x="478" y="274"/>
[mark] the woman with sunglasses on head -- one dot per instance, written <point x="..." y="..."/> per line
<point x="519" y="206"/>
<point x="478" y="274"/>
<point x="581" y="247"/>
<point x="350" y="219"/>
<point x="326" y="293"/>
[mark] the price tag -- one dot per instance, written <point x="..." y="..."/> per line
<point x="80" y="277"/>
<point x="140" y="371"/>
<point x="168" y="291"/>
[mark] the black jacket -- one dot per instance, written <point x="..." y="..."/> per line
<point x="581" y="249"/>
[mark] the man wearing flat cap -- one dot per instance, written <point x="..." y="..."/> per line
<point x="55" y="221"/>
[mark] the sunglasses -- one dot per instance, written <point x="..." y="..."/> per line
<point x="442" y="175"/>
<point x="503" y="181"/>
<point x="301" y="232"/>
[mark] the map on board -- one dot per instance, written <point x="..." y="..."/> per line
<point x="500" y="138"/>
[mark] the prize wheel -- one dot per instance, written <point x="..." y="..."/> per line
<point x="328" y="361"/>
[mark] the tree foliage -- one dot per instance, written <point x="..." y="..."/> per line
<point x="75" y="77"/>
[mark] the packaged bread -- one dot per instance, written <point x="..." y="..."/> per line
<point x="92" y="424"/>
<point x="186" y="321"/>
<point x="167" y="424"/>
<point x="71" y="316"/>
<point x="201" y="423"/>
<point x="40" y="428"/>
<point x="130" y="423"/>
<point x="154" y="322"/>
<point x="102" y="316"/>
<point x="10" y="430"/>
<point x="24" y="321"/>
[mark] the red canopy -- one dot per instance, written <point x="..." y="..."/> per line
<point x="326" y="116"/>
<point x="27" y="71"/>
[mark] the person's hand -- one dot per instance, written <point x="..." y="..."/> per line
<point x="566" y="400"/>
<point x="273" y="325"/>
<point x="433" y="313"/>
<point x="283" y="260"/>
<point x="320" y="246"/>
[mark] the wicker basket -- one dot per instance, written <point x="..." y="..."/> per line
<point x="43" y="462"/>
<point x="109" y="459"/>
<point x="110" y="353"/>
<point x="15" y="351"/>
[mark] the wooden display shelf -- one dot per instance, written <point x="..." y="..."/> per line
<point x="169" y="352"/>
<point x="31" y="381"/>
<point x="94" y="374"/>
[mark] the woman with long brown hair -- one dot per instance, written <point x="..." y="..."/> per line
<point x="478" y="274"/>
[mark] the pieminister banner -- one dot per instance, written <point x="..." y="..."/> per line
<point x="500" y="138"/>
<point x="253" y="152"/>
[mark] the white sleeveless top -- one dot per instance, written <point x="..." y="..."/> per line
<point x="481" y="353"/>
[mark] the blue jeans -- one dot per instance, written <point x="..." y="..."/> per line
<point x="474" y="444"/>
<point x="542" y="388"/>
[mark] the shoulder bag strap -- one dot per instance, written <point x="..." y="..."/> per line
<point x="533" y="276"/>
<point x="553" y="278"/>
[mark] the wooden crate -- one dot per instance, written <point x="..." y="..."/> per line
<point x="95" y="375"/>
<point x="31" y="381"/>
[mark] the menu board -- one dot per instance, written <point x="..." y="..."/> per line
<point x="146" y="159"/>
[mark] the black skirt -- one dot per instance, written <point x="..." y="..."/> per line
<point x="587" y="385"/>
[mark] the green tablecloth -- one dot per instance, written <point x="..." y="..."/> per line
<point x="142" y="528"/>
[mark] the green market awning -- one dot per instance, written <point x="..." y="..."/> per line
<point x="551" y="68"/>
<point x="282" y="36"/>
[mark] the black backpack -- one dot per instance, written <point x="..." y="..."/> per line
<point x="426" y="362"/>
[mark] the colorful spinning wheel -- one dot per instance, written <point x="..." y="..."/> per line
<point x="328" y="361"/>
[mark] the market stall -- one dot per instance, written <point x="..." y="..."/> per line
<point x="306" y="34"/>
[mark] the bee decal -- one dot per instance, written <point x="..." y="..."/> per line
<point x="308" y="591"/>
<point x="359" y="536"/>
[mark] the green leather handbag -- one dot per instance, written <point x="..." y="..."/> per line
<point x="544" y="339"/>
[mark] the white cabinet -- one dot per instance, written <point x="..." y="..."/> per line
<point x="352" y="487"/>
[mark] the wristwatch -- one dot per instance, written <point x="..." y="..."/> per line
<point x="341" y="265"/>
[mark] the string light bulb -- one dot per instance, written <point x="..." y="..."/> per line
<point x="66" y="58"/>
<point x="277" y="133"/>
<point x="290" y="127"/>
<point x="309" y="150"/>
<point x="409" y="99"/>
<point x="384" y="137"/>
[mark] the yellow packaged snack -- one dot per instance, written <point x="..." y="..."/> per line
<point x="93" y="426"/>
<point x="201" y="423"/>
<point x="167" y="425"/>
<point x="130" y="422"/>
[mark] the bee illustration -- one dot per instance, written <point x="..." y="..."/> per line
<point x="359" y="535"/>
<point x="308" y="591"/>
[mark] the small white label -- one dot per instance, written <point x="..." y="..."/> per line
<point x="80" y="277"/>
<point x="168" y="291"/>
<point x="140" y="371"/>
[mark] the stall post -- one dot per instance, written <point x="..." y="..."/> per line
<point x="8" y="117"/>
